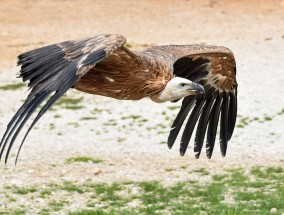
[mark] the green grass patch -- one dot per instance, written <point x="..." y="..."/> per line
<point x="74" y="107"/>
<point x="57" y="205"/>
<point x="88" y="118"/>
<point x="149" y="186"/>
<point x="121" y="139"/>
<point x="238" y="177"/>
<point x="131" y="117"/>
<point x="57" y="116"/>
<point x="106" y="189"/>
<point x="70" y="103"/>
<point x="110" y="123"/>
<point x="75" y="124"/>
<point x="102" y="212"/>
<point x="51" y="126"/>
<point x="10" y="198"/>
<point x="173" y="107"/>
<point x="267" y="118"/>
<point x="234" y="191"/>
<point x="13" y="86"/>
<point x="71" y="187"/>
<point x="83" y="159"/>
<point x="22" y="190"/>
<point x="98" y="111"/>
<point x="108" y="193"/>
<point x="88" y="212"/>
<point x="218" y="177"/>
<point x="202" y="171"/>
<point x="44" y="211"/>
<point x="45" y="193"/>
<point x="16" y="212"/>
<point x="281" y="112"/>
<point x="244" y="121"/>
<point x="268" y="172"/>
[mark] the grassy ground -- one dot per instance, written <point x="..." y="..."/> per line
<point x="259" y="190"/>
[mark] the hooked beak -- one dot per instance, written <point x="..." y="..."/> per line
<point x="197" y="88"/>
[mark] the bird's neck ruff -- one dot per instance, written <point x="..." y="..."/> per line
<point x="171" y="91"/>
<point x="165" y="95"/>
<point x="159" y="97"/>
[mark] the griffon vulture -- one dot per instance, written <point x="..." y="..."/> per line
<point x="205" y="76"/>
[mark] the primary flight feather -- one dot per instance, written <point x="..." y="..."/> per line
<point x="205" y="76"/>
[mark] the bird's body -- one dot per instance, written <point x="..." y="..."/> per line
<point x="102" y="65"/>
<point x="122" y="78"/>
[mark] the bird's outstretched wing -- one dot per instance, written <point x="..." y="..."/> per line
<point x="52" y="70"/>
<point x="214" y="67"/>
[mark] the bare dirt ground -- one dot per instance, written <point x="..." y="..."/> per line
<point x="133" y="149"/>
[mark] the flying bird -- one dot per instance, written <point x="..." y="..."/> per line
<point x="203" y="75"/>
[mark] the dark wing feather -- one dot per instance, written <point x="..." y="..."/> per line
<point x="213" y="67"/>
<point x="233" y="113"/>
<point x="186" y="136"/>
<point x="51" y="71"/>
<point x="224" y="124"/>
<point x="201" y="128"/>
<point x="212" y="125"/>
<point x="187" y="104"/>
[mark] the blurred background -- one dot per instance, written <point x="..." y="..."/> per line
<point x="95" y="155"/>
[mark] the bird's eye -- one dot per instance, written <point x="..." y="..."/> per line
<point x="182" y="84"/>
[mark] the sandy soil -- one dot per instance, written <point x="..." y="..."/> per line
<point x="252" y="29"/>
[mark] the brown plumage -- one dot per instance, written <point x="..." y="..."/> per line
<point x="102" y="65"/>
